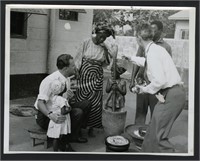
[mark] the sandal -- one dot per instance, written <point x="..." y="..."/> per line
<point x="91" y="132"/>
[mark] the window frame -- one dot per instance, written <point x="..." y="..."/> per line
<point x="65" y="18"/>
<point x="185" y="31"/>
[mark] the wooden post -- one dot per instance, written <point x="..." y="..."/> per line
<point x="33" y="141"/>
<point x="114" y="80"/>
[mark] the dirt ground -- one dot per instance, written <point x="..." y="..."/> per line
<point x="19" y="139"/>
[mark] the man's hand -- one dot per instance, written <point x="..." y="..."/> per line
<point x="140" y="88"/>
<point x="70" y="94"/>
<point x="74" y="86"/>
<point x="57" y="118"/>
<point x="135" y="90"/>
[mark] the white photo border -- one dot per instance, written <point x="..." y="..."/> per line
<point x="191" y="74"/>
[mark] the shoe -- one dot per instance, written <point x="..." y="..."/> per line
<point x="69" y="148"/>
<point x="79" y="140"/>
<point x="62" y="148"/>
<point x="91" y="132"/>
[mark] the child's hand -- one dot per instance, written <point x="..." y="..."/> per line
<point x="65" y="110"/>
<point x="68" y="108"/>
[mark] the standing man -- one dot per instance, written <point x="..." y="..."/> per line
<point x="79" y="111"/>
<point x="164" y="79"/>
<point x="143" y="101"/>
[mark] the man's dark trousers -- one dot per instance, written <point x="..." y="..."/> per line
<point x="143" y="102"/>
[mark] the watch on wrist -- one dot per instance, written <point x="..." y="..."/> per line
<point x="49" y="114"/>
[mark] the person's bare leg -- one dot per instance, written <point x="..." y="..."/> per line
<point x="91" y="132"/>
<point x="55" y="144"/>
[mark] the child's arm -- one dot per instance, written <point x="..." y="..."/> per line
<point x="122" y="90"/>
<point x="65" y="110"/>
<point x="63" y="105"/>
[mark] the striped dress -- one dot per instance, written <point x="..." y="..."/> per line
<point x="91" y="81"/>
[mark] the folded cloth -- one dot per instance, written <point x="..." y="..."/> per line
<point x="93" y="62"/>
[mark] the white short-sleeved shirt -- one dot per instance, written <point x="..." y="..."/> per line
<point x="45" y="92"/>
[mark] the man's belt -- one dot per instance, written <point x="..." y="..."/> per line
<point x="165" y="91"/>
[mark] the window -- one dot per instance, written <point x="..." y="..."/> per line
<point x="68" y="15"/>
<point x="185" y="34"/>
<point x="18" y="25"/>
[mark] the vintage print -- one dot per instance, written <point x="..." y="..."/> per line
<point x="99" y="80"/>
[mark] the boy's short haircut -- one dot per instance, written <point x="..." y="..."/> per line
<point x="159" y="24"/>
<point x="144" y="31"/>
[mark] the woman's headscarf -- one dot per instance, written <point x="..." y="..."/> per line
<point x="104" y="27"/>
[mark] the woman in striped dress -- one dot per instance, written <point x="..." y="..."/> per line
<point x="90" y="59"/>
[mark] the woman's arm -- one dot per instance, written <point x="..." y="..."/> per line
<point x="79" y="55"/>
<point x="108" y="86"/>
<point x="109" y="53"/>
<point x="111" y="50"/>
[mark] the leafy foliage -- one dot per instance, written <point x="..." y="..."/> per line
<point x="134" y="17"/>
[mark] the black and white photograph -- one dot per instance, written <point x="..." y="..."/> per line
<point x="99" y="80"/>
